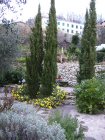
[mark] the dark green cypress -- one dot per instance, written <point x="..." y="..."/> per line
<point x="50" y="57"/>
<point x="93" y="36"/>
<point x="34" y="62"/>
<point x="88" y="43"/>
<point x="84" y="55"/>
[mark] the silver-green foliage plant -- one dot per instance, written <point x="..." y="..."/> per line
<point x="8" y="47"/>
<point x="73" y="130"/>
<point x="23" y="123"/>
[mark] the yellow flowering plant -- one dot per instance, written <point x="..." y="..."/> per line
<point x="57" y="98"/>
<point x="18" y="93"/>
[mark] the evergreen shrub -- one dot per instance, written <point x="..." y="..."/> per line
<point x="90" y="96"/>
<point x="13" y="77"/>
<point x="100" y="55"/>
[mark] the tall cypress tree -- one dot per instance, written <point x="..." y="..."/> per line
<point x="34" y="62"/>
<point x="84" y="55"/>
<point x="93" y="36"/>
<point x="50" y="57"/>
<point x="88" y="43"/>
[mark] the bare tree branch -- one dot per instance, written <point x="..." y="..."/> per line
<point x="7" y="1"/>
<point x="8" y="4"/>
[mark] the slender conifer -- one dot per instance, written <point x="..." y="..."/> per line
<point x="34" y="62"/>
<point x="50" y="57"/>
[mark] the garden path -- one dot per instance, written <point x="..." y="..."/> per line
<point x="93" y="125"/>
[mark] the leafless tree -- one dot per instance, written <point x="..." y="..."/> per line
<point x="8" y="1"/>
<point x="100" y="19"/>
<point x="63" y="39"/>
<point x="75" y="17"/>
<point x="8" y="4"/>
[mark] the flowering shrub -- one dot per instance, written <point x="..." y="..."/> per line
<point x="57" y="98"/>
<point x="25" y="124"/>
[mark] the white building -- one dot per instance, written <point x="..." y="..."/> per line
<point x="100" y="47"/>
<point x="65" y="26"/>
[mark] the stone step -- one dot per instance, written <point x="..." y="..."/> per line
<point x="70" y="97"/>
<point x="71" y="94"/>
<point x="69" y="102"/>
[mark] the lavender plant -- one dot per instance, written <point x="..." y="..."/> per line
<point x="25" y="124"/>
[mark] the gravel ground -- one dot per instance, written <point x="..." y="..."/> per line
<point x="93" y="125"/>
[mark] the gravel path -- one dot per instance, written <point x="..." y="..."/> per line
<point x="93" y="125"/>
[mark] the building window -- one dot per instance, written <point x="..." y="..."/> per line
<point x="67" y="25"/>
<point x="72" y="25"/>
<point x="62" y="29"/>
<point x="46" y="22"/>
<point x="80" y="27"/>
<point x="77" y="26"/>
<point x="63" y="24"/>
<point x="72" y="31"/>
<point x="67" y="30"/>
<point x="76" y="32"/>
<point x="58" y="23"/>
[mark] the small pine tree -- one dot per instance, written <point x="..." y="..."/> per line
<point x="74" y="43"/>
<point x="50" y="57"/>
<point x="75" y="39"/>
<point x="88" y="43"/>
<point x="73" y="50"/>
<point x="34" y="62"/>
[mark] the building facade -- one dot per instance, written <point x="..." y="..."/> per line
<point x="65" y="26"/>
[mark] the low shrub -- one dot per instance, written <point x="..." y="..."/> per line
<point x="21" y="60"/>
<point x="73" y="52"/>
<point x="57" y="98"/>
<point x="13" y="77"/>
<point x="25" y="124"/>
<point x="6" y="102"/>
<point x="72" y="130"/>
<point x="90" y="96"/>
<point x="100" y="55"/>
<point x="2" y="80"/>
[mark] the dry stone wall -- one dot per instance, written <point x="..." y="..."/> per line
<point x="68" y="71"/>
